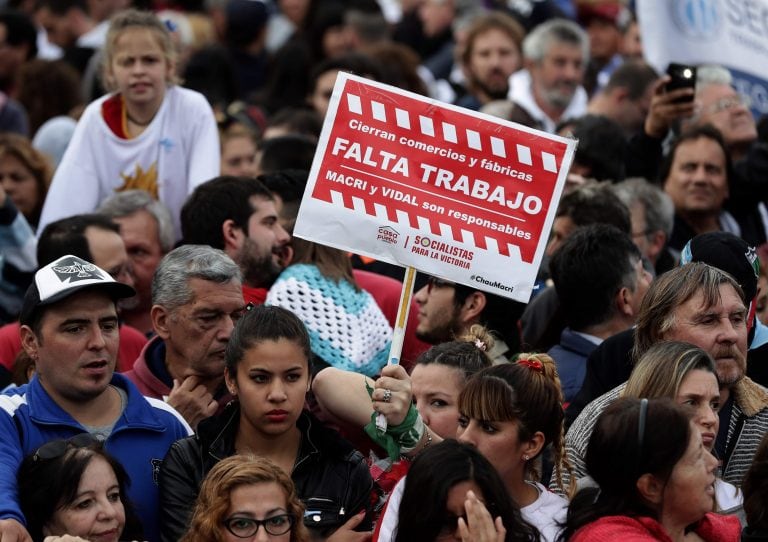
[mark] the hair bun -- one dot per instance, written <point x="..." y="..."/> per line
<point x="532" y="363"/>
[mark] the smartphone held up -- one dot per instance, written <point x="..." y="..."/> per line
<point x="681" y="76"/>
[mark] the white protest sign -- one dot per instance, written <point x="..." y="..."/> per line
<point x="732" y="33"/>
<point x="448" y="191"/>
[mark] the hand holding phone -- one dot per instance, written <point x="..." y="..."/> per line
<point x="681" y="76"/>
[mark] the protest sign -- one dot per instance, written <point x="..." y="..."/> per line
<point x="448" y="191"/>
<point x="732" y="33"/>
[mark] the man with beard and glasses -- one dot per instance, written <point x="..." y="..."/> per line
<point x="704" y="306"/>
<point x="490" y="57"/>
<point x="549" y="89"/>
<point x="238" y="215"/>
<point x="196" y="300"/>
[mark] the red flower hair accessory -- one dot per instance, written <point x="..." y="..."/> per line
<point x="532" y="364"/>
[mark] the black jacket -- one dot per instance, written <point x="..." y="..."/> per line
<point x="331" y="477"/>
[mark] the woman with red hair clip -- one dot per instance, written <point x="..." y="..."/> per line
<point x="511" y="413"/>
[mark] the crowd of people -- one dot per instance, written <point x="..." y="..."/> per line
<point x="176" y="365"/>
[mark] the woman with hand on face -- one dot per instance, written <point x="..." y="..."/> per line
<point x="267" y="369"/>
<point x="656" y="480"/>
<point x="246" y="497"/>
<point x="467" y="499"/>
<point x="73" y="488"/>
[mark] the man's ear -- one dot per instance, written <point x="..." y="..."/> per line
<point x="232" y="235"/>
<point x="160" y="321"/>
<point x="473" y="307"/>
<point x="650" y="488"/>
<point x="623" y="301"/>
<point x="29" y="341"/>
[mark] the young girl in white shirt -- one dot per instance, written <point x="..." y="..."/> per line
<point x="149" y="133"/>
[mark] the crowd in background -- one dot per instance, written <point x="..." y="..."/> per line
<point x="180" y="367"/>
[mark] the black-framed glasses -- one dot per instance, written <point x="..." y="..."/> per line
<point x="243" y="527"/>
<point x="57" y="448"/>
<point x="434" y="282"/>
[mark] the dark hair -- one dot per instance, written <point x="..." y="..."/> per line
<point x="47" y="89"/>
<point x="67" y="236"/>
<point x="617" y="457"/>
<point x="62" y="7"/>
<point x="217" y="200"/>
<point x="499" y="315"/>
<point x="299" y="121"/>
<point x="289" y="185"/>
<point x="211" y="72"/>
<point x="265" y="323"/>
<point x="634" y="76"/>
<point x="755" y="488"/>
<point x="20" y="29"/>
<point x="46" y="485"/>
<point x="286" y="152"/>
<point x="435" y="472"/>
<point x="595" y="203"/>
<point x="462" y="354"/>
<point x="399" y="66"/>
<point x="602" y="147"/>
<point x="355" y="63"/>
<point x="694" y="133"/>
<point x="589" y="269"/>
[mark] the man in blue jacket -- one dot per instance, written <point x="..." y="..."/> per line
<point x="69" y="328"/>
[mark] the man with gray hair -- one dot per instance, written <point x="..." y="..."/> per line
<point x="652" y="215"/>
<point x="702" y="305"/>
<point x="196" y="299"/>
<point x="719" y="104"/>
<point x="147" y="231"/>
<point x="549" y="89"/>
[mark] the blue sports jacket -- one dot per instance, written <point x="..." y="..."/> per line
<point x="140" y="439"/>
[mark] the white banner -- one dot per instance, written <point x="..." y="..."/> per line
<point x="451" y="192"/>
<point x="732" y="33"/>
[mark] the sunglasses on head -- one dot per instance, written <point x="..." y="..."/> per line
<point x="57" y="448"/>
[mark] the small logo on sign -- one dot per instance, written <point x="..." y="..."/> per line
<point x="387" y="235"/>
<point x="697" y="19"/>
<point x="75" y="269"/>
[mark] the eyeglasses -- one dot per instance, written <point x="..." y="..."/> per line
<point x="728" y="103"/>
<point x="57" y="448"/>
<point x="434" y="282"/>
<point x="247" y="527"/>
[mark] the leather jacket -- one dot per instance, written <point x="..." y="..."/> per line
<point x="331" y="477"/>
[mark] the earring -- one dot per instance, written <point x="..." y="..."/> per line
<point x="525" y="457"/>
